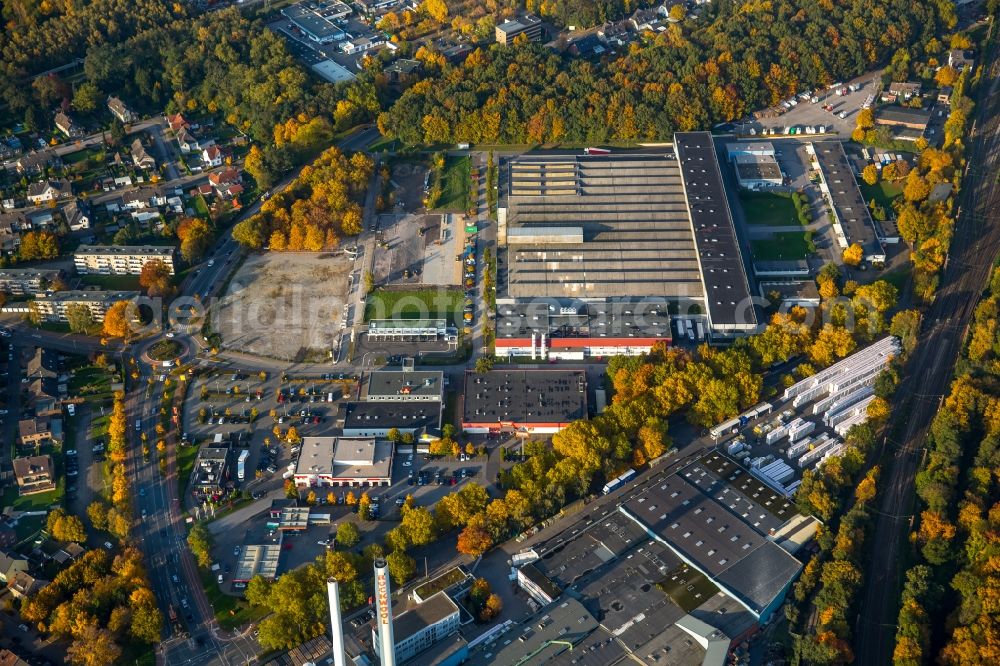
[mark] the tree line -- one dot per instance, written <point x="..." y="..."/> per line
<point x="947" y="611"/>
<point x="745" y="56"/>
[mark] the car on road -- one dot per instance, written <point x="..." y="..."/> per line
<point x="407" y="463"/>
<point x="170" y="334"/>
<point x="142" y="492"/>
<point x="220" y="579"/>
<point x="22" y="627"/>
<point x="211" y="262"/>
<point x="236" y="551"/>
<point x="71" y="452"/>
<point x="144" y="514"/>
<point x="175" y="578"/>
<point x="107" y="544"/>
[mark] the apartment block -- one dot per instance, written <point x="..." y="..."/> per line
<point x="120" y="260"/>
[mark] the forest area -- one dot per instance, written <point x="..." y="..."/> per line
<point x="692" y="75"/>
<point x="949" y="614"/>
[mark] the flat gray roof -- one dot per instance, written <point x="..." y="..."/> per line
<point x="525" y="396"/>
<point x="855" y="218"/>
<point x="649" y="318"/>
<point x="435" y="609"/>
<point x="757" y="167"/>
<point x="629" y="208"/>
<point x="727" y="289"/>
<point x="125" y="250"/>
<point x="403" y="415"/>
<point x="257" y="560"/>
<point x="543" y="636"/>
<point x="345" y="457"/>
<point x="397" y="384"/>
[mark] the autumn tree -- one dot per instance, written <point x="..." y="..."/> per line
<point x="348" y="535"/>
<point x="401" y="567"/>
<point x="156" y="278"/>
<point x="475" y="539"/>
<point x="870" y="174"/>
<point x="854" y="254"/>
<point x="118" y="320"/>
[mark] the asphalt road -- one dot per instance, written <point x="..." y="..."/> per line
<point x="975" y="246"/>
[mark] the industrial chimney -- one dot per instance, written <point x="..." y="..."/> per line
<point x="383" y="614"/>
<point x="336" y="623"/>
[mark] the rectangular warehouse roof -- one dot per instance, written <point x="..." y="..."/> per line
<point x="525" y="396"/>
<point x="849" y="206"/>
<point x="393" y="385"/>
<point x="403" y="415"/>
<point x="597" y="227"/>
<point x="727" y="290"/>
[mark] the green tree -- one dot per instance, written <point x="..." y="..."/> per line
<point x="200" y="542"/>
<point x="401" y="567"/>
<point x="80" y="318"/>
<point x="348" y="534"/>
<point x="87" y="97"/>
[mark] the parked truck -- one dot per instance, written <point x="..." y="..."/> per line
<point x="241" y="464"/>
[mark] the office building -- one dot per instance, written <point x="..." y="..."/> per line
<point x="318" y="22"/>
<point x="528" y="25"/>
<point x="120" y="259"/>
<point x="421" y="626"/>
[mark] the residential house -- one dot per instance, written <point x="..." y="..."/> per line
<point x="120" y="111"/>
<point x="188" y="142"/>
<point x="43" y="394"/>
<point x="34" y="474"/>
<point x="33" y="432"/>
<point x="457" y="53"/>
<point x="176" y="123"/>
<point x="44" y="364"/>
<point x="960" y="59"/>
<point x="11" y="202"/>
<point x="900" y="91"/>
<point x="23" y="584"/>
<point x="614" y="34"/>
<point x="642" y="20"/>
<point x="587" y="47"/>
<point x="65" y="124"/>
<point x="226" y="181"/>
<point x="68" y="553"/>
<point x="77" y="214"/>
<point x="212" y="156"/>
<point x="49" y="190"/>
<point x="10" y="564"/>
<point x="36" y="162"/>
<point x="11" y="227"/>
<point x="140" y="157"/>
<point x="944" y="95"/>
<point x="8" y="658"/>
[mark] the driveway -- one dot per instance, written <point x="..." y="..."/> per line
<point x="90" y="480"/>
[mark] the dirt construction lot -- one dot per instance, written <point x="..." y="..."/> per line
<point x="285" y="305"/>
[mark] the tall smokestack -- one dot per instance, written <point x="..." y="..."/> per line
<point x="383" y="614"/>
<point x="336" y="623"/>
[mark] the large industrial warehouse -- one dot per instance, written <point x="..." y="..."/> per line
<point x="613" y="244"/>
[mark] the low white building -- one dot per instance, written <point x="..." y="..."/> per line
<point x="357" y="462"/>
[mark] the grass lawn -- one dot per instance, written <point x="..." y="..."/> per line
<point x="768" y="209"/>
<point x="186" y="456"/>
<point x="883" y="192"/>
<point x="231" y="612"/>
<point x="444" y="581"/>
<point x="899" y="277"/>
<point x="455" y="184"/>
<point x="164" y="350"/>
<point x="112" y="282"/>
<point x="200" y="207"/>
<point x="36" y="502"/>
<point x="81" y="155"/>
<point x="784" y="246"/>
<point x="92" y="383"/>
<point x="415" y="304"/>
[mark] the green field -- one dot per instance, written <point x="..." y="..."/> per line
<point x="455" y="184"/>
<point x="767" y="209"/>
<point x="164" y="350"/>
<point x="186" y="456"/>
<point x="231" y="612"/>
<point x="415" y="304"/>
<point x="884" y="192"/>
<point x="112" y="282"/>
<point x="783" y="246"/>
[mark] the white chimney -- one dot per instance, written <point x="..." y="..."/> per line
<point x="336" y="623"/>
<point x="383" y="614"/>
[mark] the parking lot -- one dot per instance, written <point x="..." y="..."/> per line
<point x="840" y="121"/>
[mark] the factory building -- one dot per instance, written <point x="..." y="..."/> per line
<point x="596" y="251"/>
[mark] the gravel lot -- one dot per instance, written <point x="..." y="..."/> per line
<point x="285" y="305"/>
